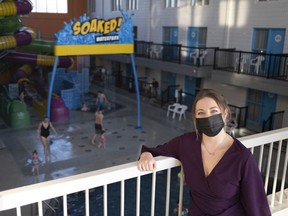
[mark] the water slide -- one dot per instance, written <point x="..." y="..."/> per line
<point x="24" y="36"/>
<point x="23" y="39"/>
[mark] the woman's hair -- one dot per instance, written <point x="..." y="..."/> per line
<point x="217" y="97"/>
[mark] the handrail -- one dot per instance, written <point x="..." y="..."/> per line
<point x="17" y="197"/>
<point x="271" y="66"/>
<point x="49" y="206"/>
<point x="267" y="147"/>
<point x="270" y="120"/>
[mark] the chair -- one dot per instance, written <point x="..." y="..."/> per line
<point x="172" y="108"/>
<point x="155" y="51"/>
<point x="194" y="55"/>
<point x="202" y="57"/>
<point x="181" y="111"/>
<point x="256" y="62"/>
<point x="243" y="63"/>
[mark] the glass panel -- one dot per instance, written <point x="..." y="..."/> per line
<point x="166" y="32"/>
<point x="260" y="39"/>
<point x="62" y="6"/>
<point x="198" y="2"/>
<point x="50" y="6"/>
<point x="202" y="37"/>
<point x="167" y="3"/>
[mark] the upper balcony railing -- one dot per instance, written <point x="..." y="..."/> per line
<point x="272" y="66"/>
<point x="123" y="190"/>
<point x="177" y="53"/>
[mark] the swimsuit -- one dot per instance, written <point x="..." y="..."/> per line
<point x="98" y="128"/>
<point x="45" y="132"/>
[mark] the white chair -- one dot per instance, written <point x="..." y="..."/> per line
<point x="172" y="108"/>
<point x="181" y="111"/>
<point x="194" y="55"/>
<point x="243" y="63"/>
<point x="202" y="57"/>
<point x="256" y="62"/>
<point x="155" y="51"/>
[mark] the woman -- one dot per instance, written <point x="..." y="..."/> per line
<point x="221" y="172"/>
<point x="44" y="134"/>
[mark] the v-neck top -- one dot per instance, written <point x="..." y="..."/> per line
<point x="233" y="188"/>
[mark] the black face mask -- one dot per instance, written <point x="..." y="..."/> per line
<point x="210" y="126"/>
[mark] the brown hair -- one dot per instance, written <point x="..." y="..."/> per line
<point x="217" y="97"/>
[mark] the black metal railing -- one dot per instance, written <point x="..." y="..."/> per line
<point x="275" y="121"/>
<point x="240" y="114"/>
<point x="177" y="53"/>
<point x="272" y="66"/>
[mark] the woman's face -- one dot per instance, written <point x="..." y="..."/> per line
<point x="45" y="120"/>
<point x="206" y="107"/>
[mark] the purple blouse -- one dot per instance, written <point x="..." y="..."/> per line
<point x="233" y="188"/>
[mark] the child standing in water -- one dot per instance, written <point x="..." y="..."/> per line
<point x="35" y="162"/>
<point x="102" y="141"/>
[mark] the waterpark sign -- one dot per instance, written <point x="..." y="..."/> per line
<point x="88" y="36"/>
<point x="99" y="26"/>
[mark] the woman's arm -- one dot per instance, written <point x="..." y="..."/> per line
<point x="253" y="197"/>
<point x="39" y="129"/>
<point x="172" y="148"/>
<point x="146" y="162"/>
<point x="54" y="130"/>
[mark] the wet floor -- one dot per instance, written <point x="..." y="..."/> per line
<point x="72" y="152"/>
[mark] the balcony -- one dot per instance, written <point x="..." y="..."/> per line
<point x="220" y="65"/>
<point x="123" y="190"/>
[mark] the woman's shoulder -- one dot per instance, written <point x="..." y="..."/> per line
<point x="241" y="148"/>
<point x="191" y="134"/>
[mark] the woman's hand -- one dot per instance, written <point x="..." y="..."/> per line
<point x="146" y="162"/>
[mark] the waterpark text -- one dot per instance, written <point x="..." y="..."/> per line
<point x="97" y="26"/>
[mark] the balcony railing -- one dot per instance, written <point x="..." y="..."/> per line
<point x="273" y="66"/>
<point x="177" y="53"/>
<point x="131" y="192"/>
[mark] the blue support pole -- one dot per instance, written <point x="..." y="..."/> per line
<point x="137" y="91"/>
<point x="50" y="92"/>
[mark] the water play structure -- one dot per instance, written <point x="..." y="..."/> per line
<point x="18" y="46"/>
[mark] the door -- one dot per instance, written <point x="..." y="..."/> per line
<point x="170" y="36"/>
<point x="193" y="37"/>
<point x="275" y="46"/>
<point x="270" y="41"/>
<point x="190" y="91"/>
<point x="260" y="106"/>
<point x="196" y="37"/>
<point x="171" y="79"/>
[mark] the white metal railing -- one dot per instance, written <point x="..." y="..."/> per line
<point x="270" y="150"/>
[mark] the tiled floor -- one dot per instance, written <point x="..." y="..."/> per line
<point x="72" y="152"/>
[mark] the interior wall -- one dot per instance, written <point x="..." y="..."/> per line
<point x="46" y="25"/>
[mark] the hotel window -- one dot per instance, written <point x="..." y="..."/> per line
<point x="172" y="3"/>
<point x="202" y="37"/>
<point x="132" y="4"/>
<point x="116" y="5"/>
<point x="50" y="6"/>
<point x="199" y="2"/>
<point x="91" y="6"/>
